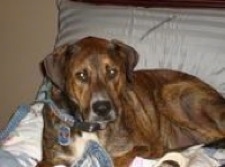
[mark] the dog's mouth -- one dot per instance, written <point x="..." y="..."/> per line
<point x="88" y="126"/>
<point x="91" y="126"/>
<point x="78" y="123"/>
<point x="96" y="122"/>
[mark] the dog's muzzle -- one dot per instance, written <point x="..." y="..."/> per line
<point x="102" y="112"/>
<point x="101" y="109"/>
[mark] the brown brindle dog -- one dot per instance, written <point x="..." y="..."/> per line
<point x="143" y="113"/>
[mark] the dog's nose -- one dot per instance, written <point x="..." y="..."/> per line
<point x="102" y="108"/>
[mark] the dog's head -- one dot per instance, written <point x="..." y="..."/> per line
<point x="93" y="72"/>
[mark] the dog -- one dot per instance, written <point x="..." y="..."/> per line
<point x="141" y="112"/>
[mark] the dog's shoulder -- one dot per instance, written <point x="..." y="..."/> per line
<point x="166" y="74"/>
<point x="161" y="77"/>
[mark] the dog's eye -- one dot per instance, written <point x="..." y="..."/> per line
<point x="111" y="72"/>
<point x="82" y="76"/>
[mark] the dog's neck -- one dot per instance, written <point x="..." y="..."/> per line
<point x="112" y="134"/>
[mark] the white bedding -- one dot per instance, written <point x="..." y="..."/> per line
<point x="192" y="41"/>
<point x="23" y="146"/>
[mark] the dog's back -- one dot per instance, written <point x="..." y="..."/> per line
<point x="175" y="109"/>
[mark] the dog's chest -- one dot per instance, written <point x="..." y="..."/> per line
<point x="63" y="145"/>
<point x="73" y="151"/>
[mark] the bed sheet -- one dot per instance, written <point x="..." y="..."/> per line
<point x="190" y="40"/>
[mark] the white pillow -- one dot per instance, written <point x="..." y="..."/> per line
<point x="190" y="40"/>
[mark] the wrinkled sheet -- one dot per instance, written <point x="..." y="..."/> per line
<point x="190" y="40"/>
<point x="22" y="147"/>
<point x="195" y="156"/>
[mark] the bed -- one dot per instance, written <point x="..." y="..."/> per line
<point x="186" y="35"/>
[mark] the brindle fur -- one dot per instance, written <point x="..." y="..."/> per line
<point x="152" y="111"/>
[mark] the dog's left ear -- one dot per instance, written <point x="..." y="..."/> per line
<point x="131" y="56"/>
<point x="54" y="64"/>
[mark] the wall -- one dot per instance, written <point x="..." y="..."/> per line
<point x="27" y="33"/>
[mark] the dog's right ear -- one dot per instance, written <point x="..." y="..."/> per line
<point x="54" y="64"/>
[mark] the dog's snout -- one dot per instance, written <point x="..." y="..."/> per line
<point x="102" y="108"/>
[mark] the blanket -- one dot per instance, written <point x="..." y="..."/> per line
<point x="195" y="156"/>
